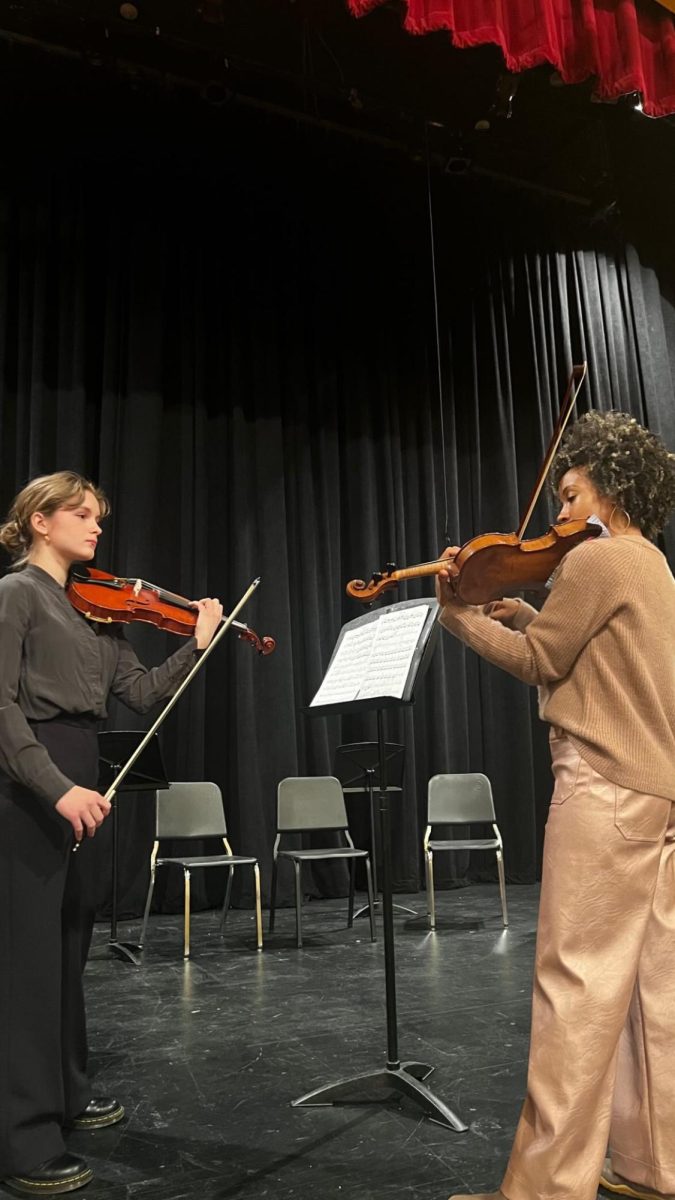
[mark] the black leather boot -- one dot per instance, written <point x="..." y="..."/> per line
<point x="101" y="1111"/>
<point x="63" y="1174"/>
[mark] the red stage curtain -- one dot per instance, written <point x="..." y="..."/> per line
<point x="629" y="45"/>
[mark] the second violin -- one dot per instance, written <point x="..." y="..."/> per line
<point x="494" y="565"/>
<point x="490" y="566"/>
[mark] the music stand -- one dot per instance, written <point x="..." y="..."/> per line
<point x="365" y="757"/>
<point x="147" y="775"/>
<point x="339" y="693"/>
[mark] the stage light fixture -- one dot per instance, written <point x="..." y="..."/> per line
<point x="457" y="164"/>
<point x="216" y="93"/>
<point x="633" y="100"/>
<point x="129" y="11"/>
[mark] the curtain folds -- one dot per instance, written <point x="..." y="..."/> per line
<point x="628" y="45"/>
<point x="246" y="362"/>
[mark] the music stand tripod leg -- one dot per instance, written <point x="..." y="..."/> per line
<point x="373" y="1087"/>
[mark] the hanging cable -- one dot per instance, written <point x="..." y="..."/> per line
<point x="432" y="240"/>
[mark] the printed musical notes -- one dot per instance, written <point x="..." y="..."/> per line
<point x="374" y="659"/>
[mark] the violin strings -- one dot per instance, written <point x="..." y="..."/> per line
<point x="439" y="369"/>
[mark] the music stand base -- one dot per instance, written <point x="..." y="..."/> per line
<point x="373" y="1087"/>
<point x="127" y="951"/>
<point x="378" y="904"/>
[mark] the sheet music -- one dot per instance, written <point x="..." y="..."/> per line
<point x="374" y="659"/>
<point x="343" y="679"/>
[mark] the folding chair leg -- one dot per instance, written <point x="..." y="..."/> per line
<point x="226" y="902"/>
<point x="273" y="894"/>
<point x="502" y="886"/>
<point x="298" y="902"/>
<point x="431" y="899"/>
<point x="258" y="909"/>
<point x="371" y="905"/>
<point x="350" y="909"/>
<point x="186" y="915"/>
<point x="146" y="911"/>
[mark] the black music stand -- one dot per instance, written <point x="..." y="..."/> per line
<point x="395" y="1078"/>
<point x="115" y="747"/>
<point x="357" y="767"/>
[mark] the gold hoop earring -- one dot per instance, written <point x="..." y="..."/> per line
<point x="626" y="515"/>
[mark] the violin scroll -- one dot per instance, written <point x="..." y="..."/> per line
<point x="264" y="645"/>
<point x="380" y="581"/>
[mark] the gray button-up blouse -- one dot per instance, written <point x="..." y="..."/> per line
<point x="54" y="662"/>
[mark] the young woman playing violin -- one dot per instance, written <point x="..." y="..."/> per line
<point x="602" y="652"/>
<point x="56" y="672"/>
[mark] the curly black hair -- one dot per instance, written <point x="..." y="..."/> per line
<point x="625" y="462"/>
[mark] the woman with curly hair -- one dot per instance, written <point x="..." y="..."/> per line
<point x="602" y="653"/>
<point x="56" y="672"/>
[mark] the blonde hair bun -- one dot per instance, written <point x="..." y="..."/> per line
<point x="43" y="495"/>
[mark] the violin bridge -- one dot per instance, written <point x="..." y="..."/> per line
<point x="138" y="587"/>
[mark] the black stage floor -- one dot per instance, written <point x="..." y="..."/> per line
<point x="207" y="1055"/>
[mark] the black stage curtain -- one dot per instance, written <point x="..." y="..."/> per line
<point x="231" y="327"/>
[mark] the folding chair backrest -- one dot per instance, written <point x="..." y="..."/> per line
<point x="460" y="799"/>
<point x="188" y="810"/>
<point x="310" y="802"/>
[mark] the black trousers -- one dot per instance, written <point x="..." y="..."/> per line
<point x="48" y="899"/>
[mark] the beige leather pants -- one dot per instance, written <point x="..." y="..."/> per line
<point x="602" y="1051"/>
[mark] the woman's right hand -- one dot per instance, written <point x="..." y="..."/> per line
<point x="85" y="810"/>
<point x="503" y="611"/>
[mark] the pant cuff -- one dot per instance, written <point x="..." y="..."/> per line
<point x="517" y="1189"/>
<point x="658" y="1178"/>
<point x="30" y="1153"/>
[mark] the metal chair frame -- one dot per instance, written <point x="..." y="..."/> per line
<point x="472" y="804"/>
<point x="292" y="817"/>
<point x="213" y="826"/>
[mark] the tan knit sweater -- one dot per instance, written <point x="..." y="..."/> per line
<point x="603" y="650"/>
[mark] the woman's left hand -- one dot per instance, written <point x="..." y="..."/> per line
<point x="445" y="592"/>
<point x="210" y="616"/>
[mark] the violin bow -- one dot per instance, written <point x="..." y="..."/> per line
<point x="569" y="400"/>
<point x="176" y="696"/>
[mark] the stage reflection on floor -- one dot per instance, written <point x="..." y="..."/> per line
<point x="208" y="1055"/>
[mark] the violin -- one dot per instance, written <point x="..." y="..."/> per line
<point x="107" y="598"/>
<point x="491" y="566"/>
<point x="494" y="565"/>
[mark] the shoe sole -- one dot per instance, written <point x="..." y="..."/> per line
<point x="625" y="1189"/>
<point x="30" y="1187"/>
<point x="97" y="1122"/>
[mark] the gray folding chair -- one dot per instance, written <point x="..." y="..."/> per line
<point x="461" y="800"/>
<point x="188" y="811"/>
<point x="315" y="803"/>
